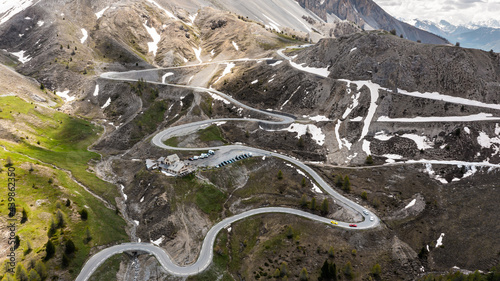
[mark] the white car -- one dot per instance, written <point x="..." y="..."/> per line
<point x="372" y="218"/>
<point x="365" y="212"/>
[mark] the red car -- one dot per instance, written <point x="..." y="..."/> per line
<point x="353" y="225"/>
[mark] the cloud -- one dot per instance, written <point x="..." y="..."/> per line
<point x="454" y="11"/>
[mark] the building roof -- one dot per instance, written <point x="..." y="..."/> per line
<point x="150" y="163"/>
<point x="176" y="167"/>
<point x="173" y="158"/>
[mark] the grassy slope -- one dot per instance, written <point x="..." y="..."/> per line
<point x="41" y="200"/>
<point x="107" y="271"/>
<point x="63" y="141"/>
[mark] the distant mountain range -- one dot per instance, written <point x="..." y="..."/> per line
<point x="368" y="15"/>
<point x="481" y="35"/>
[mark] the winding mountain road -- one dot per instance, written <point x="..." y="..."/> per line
<point x="367" y="219"/>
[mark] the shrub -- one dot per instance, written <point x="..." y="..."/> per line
<point x="50" y="250"/>
<point x="280" y="175"/>
<point x="84" y="214"/>
<point x="364" y="195"/>
<point x="369" y="160"/>
<point x="70" y="247"/>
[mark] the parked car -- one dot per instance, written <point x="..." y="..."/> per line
<point x="353" y="225"/>
<point x="334" y="222"/>
<point x="365" y="212"/>
<point x="372" y="218"/>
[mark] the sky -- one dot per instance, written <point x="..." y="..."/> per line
<point x="453" y="11"/>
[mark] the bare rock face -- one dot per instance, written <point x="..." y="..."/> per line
<point x="396" y="63"/>
<point x="368" y="14"/>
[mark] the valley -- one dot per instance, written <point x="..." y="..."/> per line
<point x="367" y="156"/>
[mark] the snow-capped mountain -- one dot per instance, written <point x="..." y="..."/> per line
<point x="483" y="35"/>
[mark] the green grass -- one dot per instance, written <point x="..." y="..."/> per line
<point x="220" y="261"/>
<point x="58" y="139"/>
<point x="174" y="142"/>
<point x="42" y="199"/>
<point x="210" y="200"/>
<point x="211" y="133"/>
<point x="107" y="271"/>
<point x="148" y="122"/>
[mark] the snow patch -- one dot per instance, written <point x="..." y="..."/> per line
<point x="302" y="129"/>
<point x="485" y="141"/>
<point x="136" y="222"/>
<point x="20" y="56"/>
<point x="412" y="202"/>
<point x="451" y="99"/>
<point x="366" y="147"/>
<point x="323" y="72"/>
<point x="101" y="12"/>
<point x="276" y="63"/>
<point x="439" y="242"/>
<point x="428" y="170"/>
<point x="346" y="143"/>
<point x="122" y="188"/>
<point x="226" y="71"/>
<point x="467" y="130"/>
<point x="352" y="106"/>
<point x="235" y="46"/>
<point x="108" y="102"/>
<point x="337" y="134"/>
<point x="281" y="108"/>
<point x="85" y="36"/>
<point x="158" y="241"/>
<point x="468" y="118"/>
<point x="382" y="136"/>
<point x="217" y="97"/>
<point x="96" y="91"/>
<point x="197" y="53"/>
<point x="153" y="46"/>
<point x="254" y="82"/>
<point x="165" y="76"/>
<point x="192" y="18"/>
<point x="65" y="95"/>
<point x="40" y="23"/>
<point x="421" y="141"/>
<point x="353" y="49"/>
<point x="316" y="189"/>
<point x="319" y="118"/>
<point x="357" y="119"/>
<point x="169" y="14"/>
